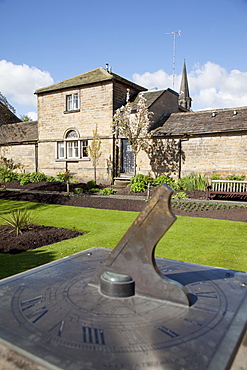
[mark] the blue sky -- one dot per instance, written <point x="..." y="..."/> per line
<point x="48" y="41"/>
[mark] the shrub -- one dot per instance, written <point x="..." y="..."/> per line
<point x="18" y="219"/>
<point x="94" y="190"/>
<point x="180" y="195"/>
<point x="192" y="182"/>
<point x="216" y="176"/>
<point x="78" y="190"/>
<point x="37" y="177"/>
<point x="24" y="178"/>
<point x="162" y="179"/>
<point x="7" y="166"/>
<point x="50" y="179"/>
<point x="137" y="187"/>
<point x="8" y="176"/>
<point x="139" y="183"/>
<point x="91" y="184"/>
<point x="235" y="177"/>
<point x="138" y="178"/>
<point x="107" y="191"/>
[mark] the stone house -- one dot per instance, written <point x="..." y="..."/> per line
<point x="182" y="142"/>
<point x="69" y="111"/>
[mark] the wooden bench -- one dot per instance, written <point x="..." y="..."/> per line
<point x="230" y="188"/>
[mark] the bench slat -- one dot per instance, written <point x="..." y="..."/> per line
<point x="228" y="187"/>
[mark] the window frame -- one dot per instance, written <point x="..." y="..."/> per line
<point x="72" y="147"/>
<point x="72" y="102"/>
<point x="61" y="145"/>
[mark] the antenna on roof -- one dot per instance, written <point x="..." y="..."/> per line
<point x="174" y="33"/>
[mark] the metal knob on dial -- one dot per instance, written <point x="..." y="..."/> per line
<point x="117" y="285"/>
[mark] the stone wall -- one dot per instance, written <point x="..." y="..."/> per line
<point x="207" y="155"/>
<point x="21" y="153"/>
<point x="223" y="154"/>
<point x="95" y="108"/>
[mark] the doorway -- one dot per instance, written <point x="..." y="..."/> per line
<point x="127" y="162"/>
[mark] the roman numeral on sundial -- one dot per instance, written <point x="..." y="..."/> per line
<point x="167" y="331"/>
<point x="38" y="313"/>
<point x="93" y="335"/>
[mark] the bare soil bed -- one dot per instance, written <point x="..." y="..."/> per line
<point x="35" y="237"/>
<point x="54" y="193"/>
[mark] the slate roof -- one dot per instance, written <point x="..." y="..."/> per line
<point x="19" y="132"/>
<point x="150" y="96"/>
<point x="203" y="122"/>
<point x="6" y="116"/>
<point x="88" y="78"/>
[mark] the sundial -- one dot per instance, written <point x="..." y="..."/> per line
<point x="126" y="309"/>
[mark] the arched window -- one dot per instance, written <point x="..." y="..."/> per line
<point x="72" y="147"/>
<point x="72" y="134"/>
<point x="72" y="144"/>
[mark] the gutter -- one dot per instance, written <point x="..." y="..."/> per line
<point x="191" y="134"/>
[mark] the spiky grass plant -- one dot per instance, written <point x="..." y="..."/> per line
<point x="18" y="219"/>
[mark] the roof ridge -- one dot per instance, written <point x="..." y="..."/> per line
<point x="94" y="76"/>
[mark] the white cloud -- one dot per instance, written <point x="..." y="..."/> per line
<point x="32" y="115"/>
<point x="19" y="82"/>
<point x="211" y="86"/>
<point x="159" y="79"/>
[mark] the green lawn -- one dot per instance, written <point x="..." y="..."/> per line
<point x="204" y="241"/>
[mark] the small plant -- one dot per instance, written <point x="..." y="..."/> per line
<point x="78" y="190"/>
<point x="18" y="219"/>
<point x="180" y="195"/>
<point x="7" y="166"/>
<point x="139" y="183"/>
<point x="138" y="187"/>
<point x="24" y="178"/>
<point x="138" y="178"/>
<point x="235" y="177"/>
<point x="216" y="176"/>
<point x="107" y="191"/>
<point x="194" y="181"/>
<point x="91" y="184"/>
<point x="94" y="190"/>
<point x="50" y="179"/>
<point x="162" y="179"/>
<point x="37" y="177"/>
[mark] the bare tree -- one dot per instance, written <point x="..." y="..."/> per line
<point x="133" y="126"/>
<point x="5" y="102"/>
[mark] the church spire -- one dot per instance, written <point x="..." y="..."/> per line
<point x="184" y="99"/>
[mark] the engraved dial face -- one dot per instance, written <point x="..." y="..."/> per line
<point x="68" y="320"/>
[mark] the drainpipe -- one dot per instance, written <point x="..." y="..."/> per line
<point x="179" y="157"/>
<point x="36" y="158"/>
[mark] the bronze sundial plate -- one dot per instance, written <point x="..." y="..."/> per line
<point x="52" y="315"/>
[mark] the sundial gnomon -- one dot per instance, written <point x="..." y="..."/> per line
<point x="125" y="309"/>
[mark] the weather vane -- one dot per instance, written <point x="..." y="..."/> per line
<point x="174" y="33"/>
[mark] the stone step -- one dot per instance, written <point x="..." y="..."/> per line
<point x="121" y="182"/>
